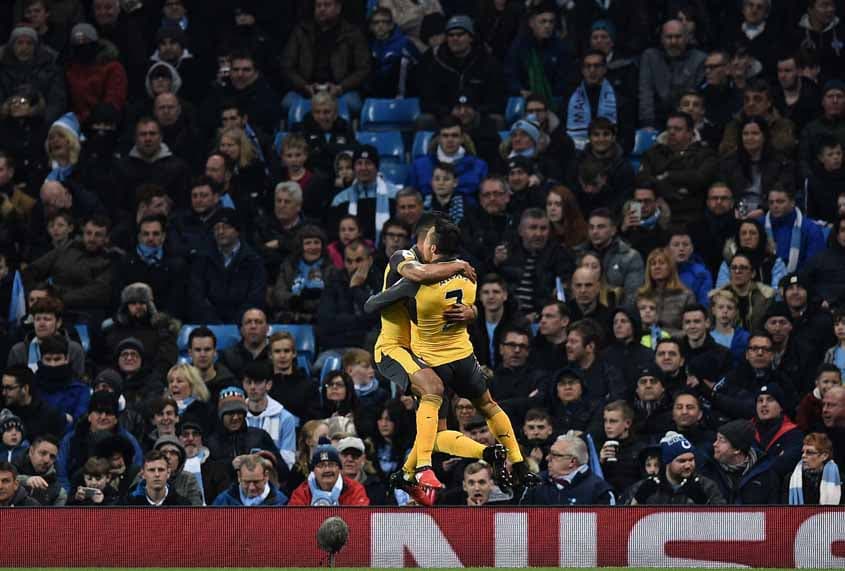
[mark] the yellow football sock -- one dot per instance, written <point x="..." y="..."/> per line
<point x="410" y="465"/>
<point x="426" y="428"/>
<point x="455" y="443"/>
<point x="500" y="426"/>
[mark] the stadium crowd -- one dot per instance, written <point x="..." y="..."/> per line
<point x="651" y="192"/>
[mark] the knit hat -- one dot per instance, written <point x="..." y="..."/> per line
<point x="68" y="123"/>
<point x="605" y="25"/>
<point x="172" y="32"/>
<point x="794" y="279"/>
<point x="571" y="373"/>
<point x="351" y="442"/>
<point x="529" y="127"/>
<point x="129" y="343"/>
<point x="432" y="25"/>
<point x="367" y="152"/>
<point x="650" y="370"/>
<point x="9" y="420"/>
<point x="740" y="433"/>
<point x="460" y="22"/>
<point x="673" y="445"/>
<point x="833" y="84"/>
<point x="110" y="377"/>
<point x="324" y="453"/>
<point x="228" y="216"/>
<point x="232" y="399"/>
<point x="104" y="401"/>
<point x="83" y="33"/>
<point x="190" y="420"/>
<point x="778" y="309"/>
<point x="23" y="30"/>
<point x="519" y="162"/>
<point x="172" y="441"/>
<point x="774" y="391"/>
<point x="465" y="98"/>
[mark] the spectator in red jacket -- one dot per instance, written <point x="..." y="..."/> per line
<point x="94" y="73"/>
<point x="326" y="486"/>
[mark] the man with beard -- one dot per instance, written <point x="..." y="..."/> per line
<point x="25" y="402"/>
<point x="796" y="98"/>
<point x="710" y="231"/>
<point x="326" y="485"/>
<point x="678" y="483"/>
<point x="688" y="420"/>
<point x="138" y="317"/>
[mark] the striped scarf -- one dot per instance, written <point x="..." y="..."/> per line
<point x="794" y="241"/>
<point x="830" y="490"/>
<point x="456" y="207"/>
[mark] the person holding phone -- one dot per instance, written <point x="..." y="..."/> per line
<point x="645" y="221"/>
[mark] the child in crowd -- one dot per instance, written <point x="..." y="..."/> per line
<point x="317" y="190"/>
<point x="723" y="306"/>
<point x="651" y="331"/>
<point x="349" y="229"/>
<point x="95" y="489"/>
<point x="444" y="181"/>
<point x="13" y="443"/>
<point x="826" y="180"/>
<point x="836" y="354"/>
<point x="344" y="171"/>
<point x="358" y="364"/>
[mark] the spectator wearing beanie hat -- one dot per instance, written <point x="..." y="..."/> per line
<point x="830" y="123"/>
<point x="13" y="440"/>
<point x="94" y="73"/>
<point x="417" y="20"/>
<point x="141" y="382"/>
<point x="652" y="402"/>
<point x="775" y="433"/>
<point x="99" y="424"/>
<point x="230" y="279"/>
<point x="326" y="485"/>
<point x="678" y="482"/>
<point x="27" y="61"/>
<point x="371" y="197"/>
<point x="63" y="147"/>
<point x="743" y="473"/>
<point x="139" y="318"/>
<point x="110" y="380"/>
<point x="233" y="437"/>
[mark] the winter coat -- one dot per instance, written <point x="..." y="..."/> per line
<point x="102" y="81"/>
<point x="69" y="397"/>
<point x="775" y="172"/>
<point x="392" y="59"/>
<point x="341" y="320"/>
<point x="167" y="278"/>
<point x="82" y="279"/>
<point x="821" y="190"/>
<point x="442" y="76"/>
<point x="237" y="357"/>
<point x="663" y="79"/>
<point x="826" y="271"/>
<point x="808" y="148"/>
<point x="41" y="72"/>
<point x="556" y="56"/>
<point x="553" y="261"/>
<point x="53" y="495"/>
<point x="409" y="14"/>
<point x="620" y="173"/>
<point x="19" y="354"/>
<point x="22" y="499"/>
<point x="300" y="307"/>
<point x="349" y="58"/>
<point x="164" y="169"/>
<point x="298" y="394"/>
<point x="737" y="396"/>
<point x="758" y="484"/>
<point x="812" y="238"/>
<point x="40" y="418"/>
<point x="140" y="499"/>
<point x="697" y="278"/>
<point x="157" y="332"/>
<point x="626" y="470"/>
<point x="586" y="489"/>
<point x="783" y="442"/>
<point x="232" y="497"/>
<point x="621" y="264"/>
<point x="470" y="171"/>
<point x="782" y="138"/>
<point x="759" y="299"/>
<point x="258" y="100"/>
<point x="670" y="308"/>
<point x="221" y="294"/>
<point x="353" y="494"/>
<point x="666" y="495"/>
<point x="827" y="44"/>
<point x="323" y="147"/>
<point x="76" y="447"/>
<point x="688" y="175"/>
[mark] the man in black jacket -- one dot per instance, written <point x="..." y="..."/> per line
<point x="153" y="491"/>
<point x="234" y="437"/>
<point x="253" y="345"/>
<point x="491" y="224"/>
<point x="20" y="397"/>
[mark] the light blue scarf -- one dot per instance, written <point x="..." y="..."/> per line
<point x="579" y="114"/>
<point x="321" y="497"/>
<point x="383" y="193"/>
<point x="257" y="500"/>
<point x="365" y="390"/>
<point x="651" y="221"/>
<point x="150" y="255"/>
<point x="830" y="490"/>
<point x="34" y="356"/>
<point x="60" y="173"/>
<point x="794" y="241"/>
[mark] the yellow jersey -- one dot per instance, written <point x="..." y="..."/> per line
<point x="432" y="338"/>
<point x="395" y="323"/>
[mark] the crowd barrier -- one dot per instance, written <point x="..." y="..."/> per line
<point x="446" y="537"/>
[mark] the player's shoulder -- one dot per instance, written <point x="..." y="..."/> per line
<point x="402" y="256"/>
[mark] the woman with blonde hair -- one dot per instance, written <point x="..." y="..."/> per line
<point x="250" y="173"/>
<point x="186" y="387"/>
<point x="63" y="147"/>
<point x="567" y="222"/>
<point x="662" y="281"/>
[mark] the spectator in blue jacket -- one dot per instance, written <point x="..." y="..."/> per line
<point x="393" y="55"/>
<point x="229" y="280"/>
<point x="539" y="61"/>
<point x="57" y="383"/>
<point x="797" y="237"/>
<point x="253" y="487"/>
<point x="691" y="269"/>
<point x="452" y="146"/>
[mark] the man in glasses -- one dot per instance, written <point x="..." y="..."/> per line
<point x="353" y="465"/>
<point x="721" y="98"/>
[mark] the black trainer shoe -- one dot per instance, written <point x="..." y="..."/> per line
<point x="496" y="456"/>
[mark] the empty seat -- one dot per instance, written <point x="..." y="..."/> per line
<point x="515" y="109"/>
<point x="397" y="173"/>
<point x="421" y="142"/>
<point x="388" y="144"/>
<point x="390" y="114"/>
<point x="643" y="141"/>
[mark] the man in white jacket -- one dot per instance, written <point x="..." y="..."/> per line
<point x="267" y="413"/>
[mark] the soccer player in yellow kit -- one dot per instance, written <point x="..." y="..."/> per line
<point x="395" y="361"/>
<point x="444" y="345"/>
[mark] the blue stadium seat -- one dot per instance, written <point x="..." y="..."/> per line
<point x="227" y="335"/>
<point x="389" y="114"/>
<point x="306" y="343"/>
<point x="84" y="336"/>
<point x="421" y="141"/>
<point x="331" y="363"/>
<point x="301" y="106"/>
<point x="277" y="141"/>
<point x="397" y="173"/>
<point x="388" y="144"/>
<point x="515" y="109"/>
<point x="643" y="141"/>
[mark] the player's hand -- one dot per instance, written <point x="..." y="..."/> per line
<point x="469" y="271"/>
<point x="459" y="312"/>
<point x="37" y="483"/>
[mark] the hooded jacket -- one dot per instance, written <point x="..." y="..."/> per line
<point x="101" y="81"/>
<point x="280" y="425"/>
<point x="443" y="76"/>
<point x="184" y="483"/>
<point x="164" y="169"/>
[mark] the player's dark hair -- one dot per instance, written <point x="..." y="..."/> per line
<point x="447" y="238"/>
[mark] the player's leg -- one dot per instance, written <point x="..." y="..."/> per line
<point x="429" y="387"/>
